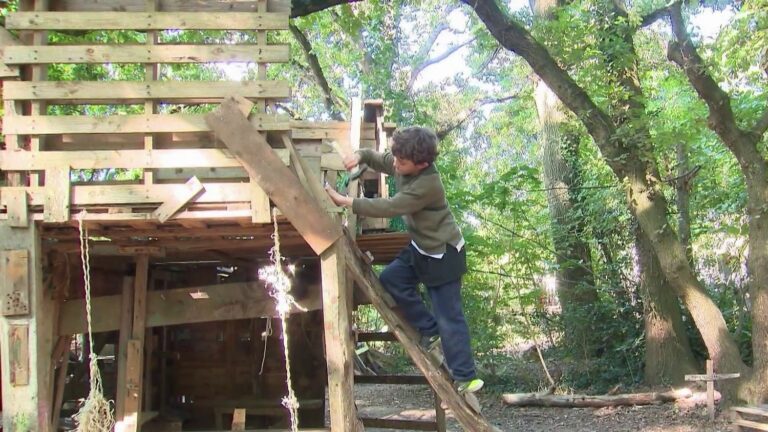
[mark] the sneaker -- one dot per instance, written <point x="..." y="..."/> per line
<point x="433" y="346"/>
<point x="471" y="386"/>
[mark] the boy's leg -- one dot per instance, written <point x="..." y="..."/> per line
<point x="446" y="303"/>
<point x="400" y="280"/>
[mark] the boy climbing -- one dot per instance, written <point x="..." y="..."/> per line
<point x="436" y="255"/>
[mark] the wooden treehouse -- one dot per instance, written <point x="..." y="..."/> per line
<point x="181" y="321"/>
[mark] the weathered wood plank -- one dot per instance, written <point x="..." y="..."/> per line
<point x="283" y="6"/>
<point x="192" y="188"/>
<point x="338" y="339"/>
<point x="18" y="345"/>
<point x="68" y="54"/>
<point x="133" y="92"/>
<point x="149" y="123"/>
<point x="100" y="159"/>
<point x="146" y="21"/>
<point x="125" y="311"/>
<point x="57" y="195"/>
<point x="143" y="194"/>
<point x="17" y="206"/>
<point x="177" y="306"/>
<point x="6" y="38"/>
<point x="304" y="212"/>
<point x="238" y="419"/>
<point x="14" y="276"/>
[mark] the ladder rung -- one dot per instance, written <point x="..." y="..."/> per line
<point x="390" y="379"/>
<point x="376" y="337"/>
<point x="420" y="425"/>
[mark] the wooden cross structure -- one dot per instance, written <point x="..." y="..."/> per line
<point x="710" y="377"/>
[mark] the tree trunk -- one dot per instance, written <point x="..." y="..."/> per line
<point x="630" y="156"/>
<point x="575" y="280"/>
<point x="668" y="355"/>
<point x="682" y="199"/>
<point x="587" y="401"/>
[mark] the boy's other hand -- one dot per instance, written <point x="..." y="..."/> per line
<point x="337" y="198"/>
<point x="351" y="161"/>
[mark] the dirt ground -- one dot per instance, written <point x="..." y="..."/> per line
<point x="413" y="402"/>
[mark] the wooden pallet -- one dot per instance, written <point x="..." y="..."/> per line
<point x="749" y="418"/>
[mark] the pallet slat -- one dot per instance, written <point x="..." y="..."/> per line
<point x="131" y="92"/>
<point x="150" y="123"/>
<point x="751" y="424"/>
<point x="146" y="21"/>
<point x="128" y="159"/>
<point x="144" y="54"/>
<point x="172" y="5"/>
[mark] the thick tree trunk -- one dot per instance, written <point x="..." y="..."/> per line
<point x="575" y="280"/>
<point x="682" y="199"/>
<point x="630" y="156"/>
<point x="587" y="401"/>
<point x="668" y="355"/>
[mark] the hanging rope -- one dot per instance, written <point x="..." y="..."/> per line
<point x="96" y="414"/>
<point x="275" y="277"/>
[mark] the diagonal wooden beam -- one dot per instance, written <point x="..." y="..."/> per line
<point x="269" y="172"/>
<point x="438" y="377"/>
<point x="192" y="188"/>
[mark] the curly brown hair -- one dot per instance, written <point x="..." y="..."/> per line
<point x="416" y="144"/>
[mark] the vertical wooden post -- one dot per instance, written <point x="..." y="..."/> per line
<point x="126" y="328"/>
<point x="711" y="389"/>
<point x="27" y="403"/>
<point x="338" y="340"/>
<point x="135" y="350"/>
<point x="355" y="125"/>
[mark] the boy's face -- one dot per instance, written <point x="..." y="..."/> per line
<point x="407" y="167"/>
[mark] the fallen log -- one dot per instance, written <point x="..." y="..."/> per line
<point x="587" y="401"/>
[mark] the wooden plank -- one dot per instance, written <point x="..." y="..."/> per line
<point x="391" y="379"/>
<point x="57" y="195"/>
<point x="69" y="54"/>
<point x="260" y="207"/>
<point x="135" y="363"/>
<point x="438" y="377"/>
<point x="14" y="274"/>
<point x="339" y="346"/>
<point x="751" y="424"/>
<point x="146" y="21"/>
<point x="381" y="423"/>
<point x="129" y="159"/>
<point x="146" y="123"/>
<point x="17" y="207"/>
<point x="125" y="327"/>
<point x="306" y="215"/>
<point x="283" y="6"/>
<point x="6" y="39"/>
<point x="18" y="344"/>
<point x="133" y="92"/>
<point x="238" y="419"/>
<point x="191" y="189"/>
<point x="177" y="306"/>
<point x="61" y="382"/>
<point x="751" y="411"/>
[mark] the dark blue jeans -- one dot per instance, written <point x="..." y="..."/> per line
<point x="401" y="281"/>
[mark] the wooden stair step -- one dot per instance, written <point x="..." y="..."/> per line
<point x="421" y="425"/>
<point x="391" y="379"/>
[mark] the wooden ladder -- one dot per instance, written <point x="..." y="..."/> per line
<point x="401" y="424"/>
<point x="437" y="377"/>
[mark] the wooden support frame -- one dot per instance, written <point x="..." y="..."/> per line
<point x="30" y="403"/>
<point x="317" y="228"/>
<point x="134" y="368"/>
<point x="339" y="346"/>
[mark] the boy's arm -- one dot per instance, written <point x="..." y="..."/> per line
<point x="404" y="202"/>
<point x="381" y="162"/>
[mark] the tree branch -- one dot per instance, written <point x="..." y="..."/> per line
<point x="442" y="133"/>
<point x="447" y="53"/>
<point x="654" y="16"/>
<point x="761" y="126"/>
<point x="306" y="7"/>
<point x="317" y="72"/>
<point x="513" y="37"/>
<point x="721" y="118"/>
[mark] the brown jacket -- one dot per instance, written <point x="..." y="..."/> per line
<point x="420" y="200"/>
